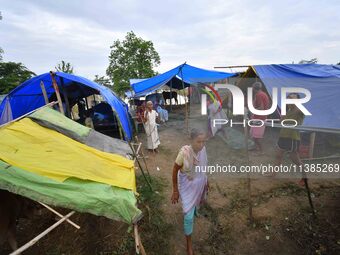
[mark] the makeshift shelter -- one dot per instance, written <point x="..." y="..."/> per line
<point x="179" y="77"/>
<point x="30" y="95"/>
<point x="323" y="82"/>
<point x="64" y="172"/>
<point x="53" y="160"/>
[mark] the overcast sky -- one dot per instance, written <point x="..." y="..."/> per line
<point x="204" y="33"/>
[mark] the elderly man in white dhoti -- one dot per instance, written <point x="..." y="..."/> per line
<point x="150" y="126"/>
<point x="190" y="182"/>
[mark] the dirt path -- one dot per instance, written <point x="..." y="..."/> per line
<point x="223" y="227"/>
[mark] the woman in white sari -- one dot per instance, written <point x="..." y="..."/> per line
<point x="189" y="183"/>
<point x="150" y="126"/>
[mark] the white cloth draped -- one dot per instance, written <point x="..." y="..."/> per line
<point x="193" y="186"/>
<point x="151" y="130"/>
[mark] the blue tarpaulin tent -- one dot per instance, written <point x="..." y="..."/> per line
<point x="323" y="82"/>
<point x="174" y="77"/>
<point x="28" y="97"/>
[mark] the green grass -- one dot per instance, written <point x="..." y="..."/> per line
<point x="154" y="229"/>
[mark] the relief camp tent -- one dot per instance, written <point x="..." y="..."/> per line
<point x="179" y="77"/>
<point x="29" y="96"/>
<point x="323" y="82"/>
<point x="50" y="159"/>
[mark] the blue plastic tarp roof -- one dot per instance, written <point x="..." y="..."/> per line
<point x="323" y="82"/>
<point x="28" y="97"/>
<point x="189" y="74"/>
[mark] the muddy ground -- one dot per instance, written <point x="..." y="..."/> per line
<point x="283" y="223"/>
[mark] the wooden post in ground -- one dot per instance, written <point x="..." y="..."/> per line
<point x="56" y="89"/>
<point x="311" y="144"/>
<point x="186" y="107"/>
<point x="250" y="204"/>
<point x="170" y="95"/>
<point x="138" y="241"/>
<point x="143" y="157"/>
<point x="305" y="179"/>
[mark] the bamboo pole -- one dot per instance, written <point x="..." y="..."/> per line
<point x="143" y="157"/>
<point x="67" y="103"/>
<point x="250" y="204"/>
<point x="186" y="107"/>
<point x="56" y="89"/>
<point x="304" y="176"/>
<point x="171" y="95"/>
<point x="311" y="144"/>
<point x="41" y="235"/>
<point x="217" y="67"/>
<point x="139" y="164"/>
<point x="43" y="89"/>
<point x="120" y="130"/>
<point x="60" y="215"/>
<point x="138" y="241"/>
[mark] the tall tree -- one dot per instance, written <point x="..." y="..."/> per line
<point x="103" y="80"/>
<point x="13" y="74"/>
<point x="64" y="67"/>
<point x="133" y="57"/>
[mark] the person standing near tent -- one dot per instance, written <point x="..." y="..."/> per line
<point x="260" y="102"/>
<point x="190" y="184"/>
<point x="150" y="125"/>
<point x="289" y="139"/>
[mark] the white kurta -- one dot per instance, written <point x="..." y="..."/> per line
<point x="151" y="129"/>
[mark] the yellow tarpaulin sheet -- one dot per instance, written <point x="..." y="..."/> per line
<point x="43" y="151"/>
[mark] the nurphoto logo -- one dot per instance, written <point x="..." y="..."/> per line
<point x="238" y="105"/>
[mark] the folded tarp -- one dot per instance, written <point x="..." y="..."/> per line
<point x="43" y="151"/>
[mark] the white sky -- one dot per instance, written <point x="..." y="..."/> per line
<point x="204" y="33"/>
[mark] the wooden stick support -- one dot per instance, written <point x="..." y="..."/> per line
<point x="311" y="144"/>
<point x="41" y="235"/>
<point x="138" y="242"/>
<point x="186" y="106"/>
<point x="305" y="179"/>
<point x="250" y="204"/>
<point x="139" y="164"/>
<point x="143" y="157"/>
<point x="65" y="95"/>
<point x="60" y="215"/>
<point x="56" y="89"/>
<point x="43" y="89"/>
